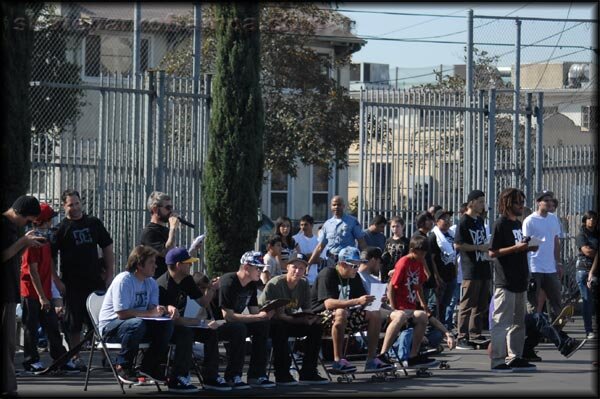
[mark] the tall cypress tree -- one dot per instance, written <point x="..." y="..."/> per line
<point x="234" y="167"/>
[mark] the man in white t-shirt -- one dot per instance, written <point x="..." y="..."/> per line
<point x="544" y="264"/>
<point x="307" y="242"/>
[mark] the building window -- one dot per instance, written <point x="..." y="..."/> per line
<point x="320" y="192"/>
<point x="279" y="194"/>
<point x="589" y="113"/>
<point x="113" y="54"/>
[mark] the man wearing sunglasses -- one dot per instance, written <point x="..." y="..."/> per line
<point x="156" y="234"/>
<point x="340" y="297"/>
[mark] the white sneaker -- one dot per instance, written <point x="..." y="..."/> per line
<point x="591" y="335"/>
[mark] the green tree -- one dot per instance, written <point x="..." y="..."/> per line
<point x="16" y="48"/>
<point x="309" y="118"/>
<point x="234" y="168"/>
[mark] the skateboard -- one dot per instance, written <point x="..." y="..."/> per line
<point x="447" y="359"/>
<point x="376" y="376"/>
<point x="423" y="371"/>
<point x="565" y="315"/>
<point x="481" y="344"/>
<point x="64" y="358"/>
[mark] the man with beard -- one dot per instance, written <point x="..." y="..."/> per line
<point x="156" y="234"/>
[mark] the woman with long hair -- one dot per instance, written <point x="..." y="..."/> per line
<point x="587" y="244"/>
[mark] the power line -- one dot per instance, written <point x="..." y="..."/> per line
<point x="419" y="23"/>
<point x="400" y="13"/>
<point x="554" y="49"/>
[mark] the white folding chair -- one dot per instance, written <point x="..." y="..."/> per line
<point x="93" y="305"/>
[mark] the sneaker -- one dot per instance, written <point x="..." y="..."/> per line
<point x="69" y="368"/>
<point x="152" y="374"/>
<point x="419" y="361"/>
<point x="502" y="368"/>
<point x="34" y="368"/>
<point x="479" y="338"/>
<point x="531" y="357"/>
<point x="218" y="384"/>
<point x="261" y="382"/>
<point x="78" y="363"/>
<point x="286" y="380"/>
<point x="181" y="384"/>
<point x="591" y="335"/>
<point x="313" y="378"/>
<point x="573" y="346"/>
<point x="464" y="344"/>
<point x="126" y="375"/>
<point x="343" y="366"/>
<point x="376" y="365"/>
<point x="384" y="358"/>
<point x="520" y="364"/>
<point x="237" y="383"/>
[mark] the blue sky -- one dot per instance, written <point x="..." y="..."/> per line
<point x="424" y="56"/>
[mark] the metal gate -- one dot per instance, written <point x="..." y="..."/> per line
<point x="147" y="135"/>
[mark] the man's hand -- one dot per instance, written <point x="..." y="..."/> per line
<point x="265" y="315"/>
<point x="450" y="341"/>
<point x="173" y="222"/>
<point x="172" y="312"/>
<point x="31" y="240"/>
<point x="45" y="303"/>
<point x="522" y="247"/>
<point x="366" y="299"/>
<point x="158" y="311"/>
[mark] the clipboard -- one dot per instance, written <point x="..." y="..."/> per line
<point x="274" y="304"/>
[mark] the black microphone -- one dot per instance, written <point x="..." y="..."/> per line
<point x="185" y="222"/>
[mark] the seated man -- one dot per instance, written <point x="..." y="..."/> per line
<point x="294" y="286"/>
<point x="367" y="272"/>
<point x="406" y="289"/>
<point x="238" y="291"/>
<point x="338" y="294"/>
<point x="132" y="296"/>
<point x="174" y="287"/>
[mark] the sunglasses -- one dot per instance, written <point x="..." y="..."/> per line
<point x="352" y="265"/>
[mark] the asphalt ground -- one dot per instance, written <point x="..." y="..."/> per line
<point x="469" y="376"/>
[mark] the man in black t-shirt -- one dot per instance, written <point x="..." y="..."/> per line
<point x="510" y="285"/>
<point x="236" y="293"/>
<point x="425" y="224"/>
<point x="174" y="287"/>
<point x="339" y="295"/>
<point x="78" y="237"/>
<point x="472" y="243"/>
<point x="156" y="234"/>
<point x="25" y="209"/>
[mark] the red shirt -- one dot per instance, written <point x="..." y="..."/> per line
<point x="408" y="276"/>
<point x="43" y="257"/>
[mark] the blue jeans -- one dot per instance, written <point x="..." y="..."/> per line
<point x="446" y="291"/>
<point x="403" y="343"/>
<point x="131" y="332"/>
<point x="449" y="316"/>
<point x="581" y="276"/>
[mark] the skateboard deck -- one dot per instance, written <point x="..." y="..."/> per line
<point x="565" y="315"/>
<point x="423" y="371"/>
<point x="444" y="360"/>
<point x="481" y="344"/>
<point x="349" y="376"/>
<point x="64" y="358"/>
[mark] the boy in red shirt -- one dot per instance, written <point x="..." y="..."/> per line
<point x="37" y="274"/>
<point x="406" y="292"/>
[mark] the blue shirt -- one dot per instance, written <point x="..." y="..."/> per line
<point x="375" y="239"/>
<point x="340" y="233"/>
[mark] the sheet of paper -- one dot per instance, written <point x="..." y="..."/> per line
<point x="378" y="291"/>
<point x="192" y="308"/>
<point x="535" y="242"/>
<point x="161" y="318"/>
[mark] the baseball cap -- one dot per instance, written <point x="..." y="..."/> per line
<point x="474" y="194"/>
<point x="298" y="257"/>
<point x="252" y="258"/>
<point x="350" y="255"/>
<point x="544" y="193"/>
<point x="26" y="205"/>
<point x="46" y="213"/>
<point x="179" y="254"/>
<point x="439" y="214"/>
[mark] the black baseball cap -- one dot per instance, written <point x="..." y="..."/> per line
<point x="544" y="193"/>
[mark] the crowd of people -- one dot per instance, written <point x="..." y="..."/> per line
<point x="344" y="281"/>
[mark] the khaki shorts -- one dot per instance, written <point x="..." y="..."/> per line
<point x="357" y="320"/>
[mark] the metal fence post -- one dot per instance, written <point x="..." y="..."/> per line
<point x="528" y="112"/>
<point x="149" y="137"/>
<point x="491" y="181"/>
<point x="101" y="152"/>
<point x="516" y="103"/>
<point x="467" y="144"/>
<point x="160" y="130"/>
<point x="361" y="138"/>
<point x="539" y="136"/>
